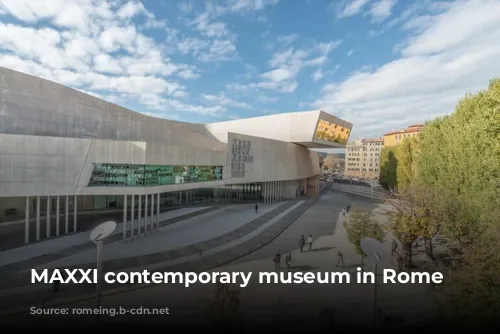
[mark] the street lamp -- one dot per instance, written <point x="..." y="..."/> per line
<point x="97" y="236"/>
<point x="376" y="251"/>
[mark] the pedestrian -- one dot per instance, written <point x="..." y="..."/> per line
<point x="275" y="260"/>
<point x="57" y="283"/>
<point x="256" y="208"/>
<point x="348" y="208"/>
<point x="288" y="261"/>
<point x="302" y="243"/>
<point x="278" y="260"/>
<point x="310" y="241"/>
<point x="400" y="263"/>
<point x="394" y="247"/>
<point x="340" y="259"/>
<point x="343" y="212"/>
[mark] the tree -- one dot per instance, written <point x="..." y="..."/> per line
<point x="459" y="157"/>
<point x="406" y="166"/>
<point x="419" y="213"/>
<point x="363" y="224"/>
<point x="388" y="168"/>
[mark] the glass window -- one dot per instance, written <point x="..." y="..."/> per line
<point x="151" y="175"/>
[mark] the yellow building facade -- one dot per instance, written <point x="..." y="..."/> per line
<point x="395" y="137"/>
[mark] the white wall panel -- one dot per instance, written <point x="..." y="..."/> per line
<point x="273" y="160"/>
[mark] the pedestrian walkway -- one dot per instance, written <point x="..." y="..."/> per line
<point x="53" y="249"/>
<point x="186" y="234"/>
<point x="239" y="242"/>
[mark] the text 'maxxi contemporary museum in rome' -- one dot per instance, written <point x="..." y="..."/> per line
<point x="63" y="152"/>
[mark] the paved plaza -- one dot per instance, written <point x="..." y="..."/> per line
<point x="287" y="303"/>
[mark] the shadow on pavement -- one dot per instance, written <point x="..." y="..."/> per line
<point x="322" y="249"/>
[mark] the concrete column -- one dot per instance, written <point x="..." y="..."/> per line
<point x="132" y="216"/>
<point x="66" y="215"/>
<point x="139" y="215"/>
<point x="58" y="208"/>
<point x="274" y="191"/>
<point x="268" y="186"/>
<point x="278" y="183"/>
<point x="281" y="191"/>
<point x="267" y="192"/>
<point x="152" y="222"/>
<point x="157" y="212"/>
<point x="264" y="192"/>
<point x="124" y="224"/>
<point x="37" y="218"/>
<point x="75" y="213"/>
<point x="180" y="197"/>
<point x="47" y="219"/>
<point x="27" y="221"/>
<point x="146" y="208"/>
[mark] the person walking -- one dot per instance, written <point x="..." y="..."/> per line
<point x="340" y="259"/>
<point x="256" y="209"/>
<point x="394" y="247"/>
<point x="275" y="260"/>
<point x="302" y="243"/>
<point x="343" y="211"/>
<point x="57" y="283"/>
<point x="310" y="242"/>
<point x="288" y="261"/>
<point x="347" y="209"/>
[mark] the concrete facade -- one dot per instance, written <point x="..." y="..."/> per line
<point x="52" y="137"/>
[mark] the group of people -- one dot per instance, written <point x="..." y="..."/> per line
<point x="302" y="242"/>
<point x="277" y="261"/>
<point x="346" y="210"/>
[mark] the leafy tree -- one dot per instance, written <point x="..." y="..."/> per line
<point x="406" y="167"/>
<point x="459" y="155"/>
<point x="419" y="213"/>
<point x="388" y="168"/>
<point x="363" y="224"/>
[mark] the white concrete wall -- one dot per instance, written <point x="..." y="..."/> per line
<point x="33" y="106"/>
<point x="289" y="127"/>
<point x="38" y="166"/>
<point x="273" y="160"/>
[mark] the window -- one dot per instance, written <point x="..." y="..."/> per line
<point x="117" y="175"/>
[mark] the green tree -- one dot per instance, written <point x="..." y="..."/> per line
<point x="388" y="168"/>
<point x="363" y="224"/>
<point x="459" y="155"/>
<point x="407" y="158"/>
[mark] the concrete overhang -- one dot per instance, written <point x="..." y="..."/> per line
<point x="311" y="129"/>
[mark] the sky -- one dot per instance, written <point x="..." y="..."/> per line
<point x="379" y="64"/>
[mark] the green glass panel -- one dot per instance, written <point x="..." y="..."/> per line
<point x="125" y="175"/>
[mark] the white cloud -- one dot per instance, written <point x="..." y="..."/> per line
<point x="455" y="52"/>
<point x="318" y="75"/>
<point x="382" y="9"/>
<point x="93" y="46"/>
<point x="347" y="8"/>
<point x="287" y="64"/>
<point x="222" y="100"/>
<point x="350" y="52"/>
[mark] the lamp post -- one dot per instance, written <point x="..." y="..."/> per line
<point x="375" y="251"/>
<point x="374" y="291"/>
<point x="97" y="236"/>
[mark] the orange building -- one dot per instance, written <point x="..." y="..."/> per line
<point x="395" y="137"/>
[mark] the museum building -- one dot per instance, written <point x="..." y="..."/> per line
<point x="63" y="152"/>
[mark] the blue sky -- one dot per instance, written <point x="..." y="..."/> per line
<point x="380" y="64"/>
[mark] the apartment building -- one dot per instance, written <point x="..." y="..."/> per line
<point x="362" y="158"/>
<point x="395" y="137"/>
